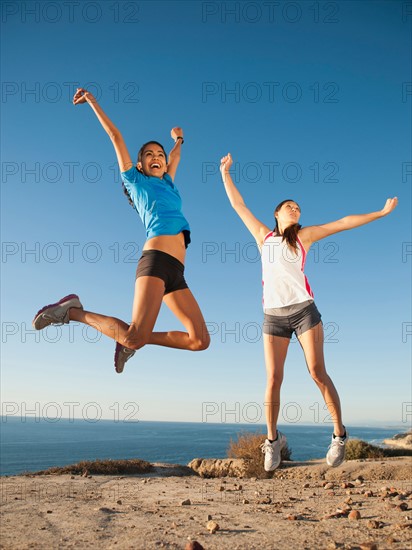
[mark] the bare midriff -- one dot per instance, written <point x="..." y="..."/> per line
<point x="171" y="244"/>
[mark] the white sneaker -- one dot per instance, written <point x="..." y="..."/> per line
<point x="336" y="452"/>
<point x="272" y="451"/>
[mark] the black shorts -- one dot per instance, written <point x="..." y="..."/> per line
<point x="298" y="322"/>
<point x="155" y="263"/>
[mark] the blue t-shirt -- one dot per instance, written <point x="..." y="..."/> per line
<point x="158" y="203"/>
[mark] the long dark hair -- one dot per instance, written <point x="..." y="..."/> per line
<point x="290" y="234"/>
<point x="139" y="159"/>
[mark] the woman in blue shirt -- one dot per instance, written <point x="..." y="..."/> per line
<point x="160" y="272"/>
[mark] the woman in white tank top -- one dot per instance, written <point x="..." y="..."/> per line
<point x="289" y="307"/>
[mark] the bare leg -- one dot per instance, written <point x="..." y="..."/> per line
<point x="183" y="305"/>
<point x="312" y="345"/>
<point x="148" y="299"/>
<point x="275" y="349"/>
<point x="149" y="293"/>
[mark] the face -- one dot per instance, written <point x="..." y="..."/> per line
<point x="153" y="161"/>
<point x="288" y="214"/>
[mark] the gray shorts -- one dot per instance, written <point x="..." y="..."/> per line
<point x="298" y="322"/>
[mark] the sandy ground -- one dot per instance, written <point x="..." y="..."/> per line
<point x="305" y="505"/>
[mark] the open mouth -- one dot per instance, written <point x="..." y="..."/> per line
<point x="155" y="165"/>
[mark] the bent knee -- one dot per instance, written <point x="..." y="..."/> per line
<point x="200" y="344"/>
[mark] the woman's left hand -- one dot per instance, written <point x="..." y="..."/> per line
<point x="389" y="206"/>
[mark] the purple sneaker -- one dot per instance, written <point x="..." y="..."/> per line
<point x="56" y="314"/>
<point x="121" y="355"/>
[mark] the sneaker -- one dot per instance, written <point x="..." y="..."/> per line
<point x="56" y="314"/>
<point x="272" y="451"/>
<point x="336" y="452"/>
<point x="121" y="356"/>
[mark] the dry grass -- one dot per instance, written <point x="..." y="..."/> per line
<point x="356" y="448"/>
<point x="247" y="447"/>
<point x="101" y="467"/>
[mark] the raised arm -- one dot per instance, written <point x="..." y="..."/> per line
<point x="313" y="233"/>
<point x="174" y="155"/>
<point x="257" y="228"/>
<point x="123" y="157"/>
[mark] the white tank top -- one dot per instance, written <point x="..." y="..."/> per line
<point x="284" y="282"/>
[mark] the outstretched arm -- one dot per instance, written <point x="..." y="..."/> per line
<point x="174" y="155"/>
<point x="257" y="228"/>
<point x="314" y="233"/>
<point x="123" y="157"/>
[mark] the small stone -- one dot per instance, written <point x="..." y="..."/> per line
<point x="368" y="546"/>
<point x="402" y="506"/>
<point x="373" y="524"/>
<point x="306" y="486"/>
<point x="332" y="545"/>
<point x="186" y="502"/>
<point x="292" y="517"/>
<point x="119" y="502"/>
<point x="193" y="545"/>
<point x="245" y="501"/>
<point x="221" y="488"/>
<point x="354" y="514"/>
<point x="209" y="517"/>
<point x="328" y="486"/>
<point x="347" y="485"/>
<point x="212" y="527"/>
<point x="49" y="511"/>
<point x="72" y="477"/>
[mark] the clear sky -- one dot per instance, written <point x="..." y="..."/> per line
<point x="313" y="100"/>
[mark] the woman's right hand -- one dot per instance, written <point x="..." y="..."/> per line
<point x="82" y="95"/>
<point x="225" y="163"/>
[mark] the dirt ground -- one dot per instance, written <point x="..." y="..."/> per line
<point x="361" y="504"/>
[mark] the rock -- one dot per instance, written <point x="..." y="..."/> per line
<point x="328" y="486"/>
<point x="209" y="517"/>
<point x="186" y="502"/>
<point x="245" y="501"/>
<point x="292" y="517"/>
<point x="354" y="514"/>
<point x="373" y="524"/>
<point x="403" y="506"/>
<point x="212" y="526"/>
<point x="119" y="502"/>
<point x="403" y="440"/>
<point x="368" y="546"/>
<point x="193" y="545"/>
<point x="225" y="467"/>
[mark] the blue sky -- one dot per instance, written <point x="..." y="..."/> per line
<point x="313" y="100"/>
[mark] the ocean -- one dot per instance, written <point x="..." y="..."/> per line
<point x="30" y="444"/>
